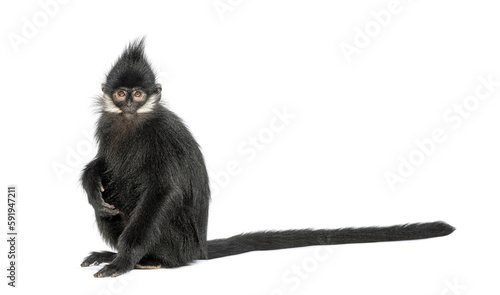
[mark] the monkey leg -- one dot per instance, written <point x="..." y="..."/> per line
<point x="96" y="258"/>
<point x="111" y="228"/>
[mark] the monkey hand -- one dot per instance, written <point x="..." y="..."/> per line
<point x="106" y="209"/>
<point x="115" y="268"/>
<point x="101" y="207"/>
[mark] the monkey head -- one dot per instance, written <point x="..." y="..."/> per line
<point x="130" y="85"/>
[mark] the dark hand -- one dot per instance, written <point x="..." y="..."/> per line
<point x="107" y="209"/>
<point x="115" y="268"/>
<point x="103" y="208"/>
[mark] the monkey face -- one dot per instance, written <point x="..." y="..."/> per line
<point x="129" y="100"/>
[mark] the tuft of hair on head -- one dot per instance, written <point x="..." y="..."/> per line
<point x="132" y="69"/>
<point x="135" y="50"/>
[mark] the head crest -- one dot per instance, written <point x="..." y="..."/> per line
<point x="132" y="69"/>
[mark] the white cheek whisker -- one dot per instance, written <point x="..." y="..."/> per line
<point x="150" y="103"/>
<point x="109" y="106"/>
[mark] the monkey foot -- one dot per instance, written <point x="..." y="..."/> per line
<point x="149" y="263"/>
<point x="111" y="270"/>
<point x="140" y="266"/>
<point x="96" y="258"/>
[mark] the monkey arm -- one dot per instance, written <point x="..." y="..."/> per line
<point x="143" y="230"/>
<point x="91" y="182"/>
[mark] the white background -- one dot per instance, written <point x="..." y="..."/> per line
<point x="224" y="73"/>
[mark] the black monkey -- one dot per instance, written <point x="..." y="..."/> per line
<point x="149" y="186"/>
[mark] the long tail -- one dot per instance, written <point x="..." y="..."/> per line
<point x="273" y="240"/>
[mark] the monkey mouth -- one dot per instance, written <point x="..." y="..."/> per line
<point x="129" y="110"/>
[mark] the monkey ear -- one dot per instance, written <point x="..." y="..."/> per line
<point x="158" y="91"/>
<point x="102" y="87"/>
<point x="158" y="88"/>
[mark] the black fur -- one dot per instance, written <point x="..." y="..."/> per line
<point x="273" y="240"/>
<point x="132" y="69"/>
<point x="149" y="188"/>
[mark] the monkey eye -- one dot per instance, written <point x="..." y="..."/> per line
<point x="139" y="96"/>
<point x="121" y="93"/>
